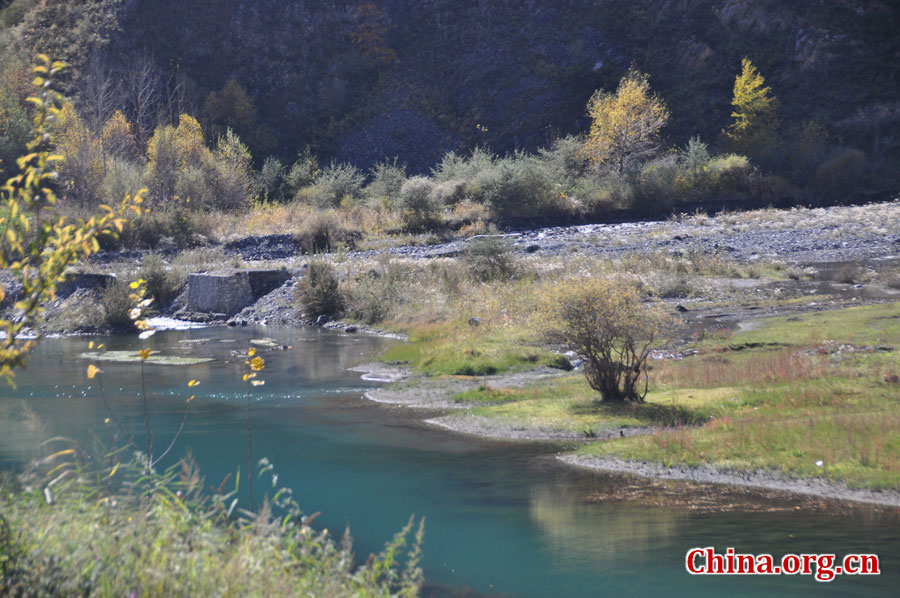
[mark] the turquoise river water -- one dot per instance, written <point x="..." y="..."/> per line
<point x="503" y="519"/>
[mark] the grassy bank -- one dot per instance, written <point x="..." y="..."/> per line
<point x="823" y="405"/>
<point x="813" y="394"/>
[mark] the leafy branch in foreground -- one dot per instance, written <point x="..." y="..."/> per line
<point x="35" y="246"/>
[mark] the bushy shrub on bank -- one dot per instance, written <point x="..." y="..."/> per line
<point x="318" y="291"/>
<point x="117" y="305"/>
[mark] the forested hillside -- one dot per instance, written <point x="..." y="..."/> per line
<point x="359" y="81"/>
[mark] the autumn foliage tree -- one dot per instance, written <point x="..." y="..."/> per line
<point x="754" y="131"/>
<point x="82" y="169"/>
<point x="118" y="137"/>
<point x="625" y="125"/>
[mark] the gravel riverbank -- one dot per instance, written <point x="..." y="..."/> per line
<point x="708" y="474"/>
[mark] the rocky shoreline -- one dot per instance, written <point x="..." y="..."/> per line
<point x="707" y="474"/>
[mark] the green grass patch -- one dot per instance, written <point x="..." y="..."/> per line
<point x="867" y="325"/>
<point x="860" y="448"/>
<point x="568" y="403"/>
<point x="461" y="350"/>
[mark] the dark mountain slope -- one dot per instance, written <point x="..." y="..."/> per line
<point x="414" y="79"/>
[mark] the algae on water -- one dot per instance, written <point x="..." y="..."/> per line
<point x="134" y="357"/>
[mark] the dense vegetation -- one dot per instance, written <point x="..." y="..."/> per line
<point x="339" y="118"/>
<point x="73" y="528"/>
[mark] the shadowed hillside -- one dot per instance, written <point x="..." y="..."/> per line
<point x="360" y="81"/>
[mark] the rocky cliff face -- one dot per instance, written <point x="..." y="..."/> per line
<point x="363" y="80"/>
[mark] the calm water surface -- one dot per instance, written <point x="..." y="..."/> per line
<point x="502" y="519"/>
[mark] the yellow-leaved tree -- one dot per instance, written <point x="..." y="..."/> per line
<point x="118" y="137"/>
<point x="754" y="131"/>
<point x="625" y="125"/>
<point x="36" y="247"/>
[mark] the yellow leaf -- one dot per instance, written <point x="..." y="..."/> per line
<point x="193" y="383"/>
<point x="114" y="470"/>
<point x="92" y="371"/>
<point x="144" y="353"/>
<point x="251" y="352"/>
<point x="257" y="363"/>
<point x="60" y="454"/>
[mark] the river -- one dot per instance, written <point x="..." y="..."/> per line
<point x="503" y="519"/>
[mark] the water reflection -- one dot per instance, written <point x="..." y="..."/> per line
<point x="587" y="535"/>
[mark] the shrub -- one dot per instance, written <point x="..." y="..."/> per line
<point x="729" y="174"/>
<point x="114" y="529"/>
<point x="324" y="231"/>
<point x="375" y="296"/>
<point x="564" y="161"/>
<point x="490" y="258"/>
<point x="605" y="323"/>
<point x="270" y="182"/>
<point x="449" y="193"/>
<point x="613" y="191"/>
<point x="387" y="180"/>
<point x="456" y="167"/>
<point x="671" y="287"/>
<point x="656" y="183"/>
<point x="891" y="278"/>
<point x="512" y="186"/>
<point x="163" y="284"/>
<point x="117" y="303"/>
<point x="194" y="184"/>
<point x="123" y="177"/>
<point x="337" y="185"/>
<point x="175" y="221"/>
<point x="420" y="210"/>
<point x="318" y="291"/>
<point x="303" y="172"/>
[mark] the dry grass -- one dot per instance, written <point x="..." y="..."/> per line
<point x="290" y="218"/>
<point x="730" y="369"/>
